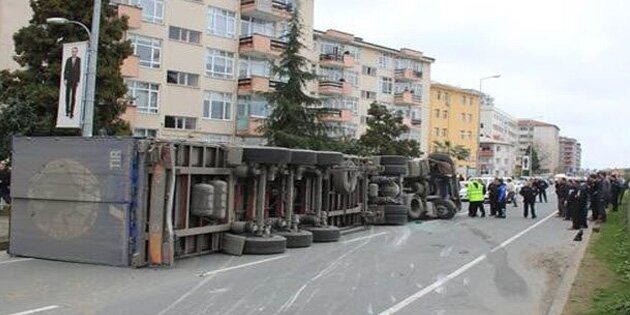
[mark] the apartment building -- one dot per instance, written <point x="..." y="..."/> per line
<point x="454" y="117"/>
<point x="570" y="155"/>
<point x="355" y="73"/>
<point x="14" y="14"/>
<point x="499" y="141"/>
<point x="544" y="137"/>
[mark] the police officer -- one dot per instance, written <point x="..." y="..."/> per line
<point x="577" y="204"/>
<point x="529" y="199"/>
<point x="475" y="191"/>
<point x="493" y="196"/>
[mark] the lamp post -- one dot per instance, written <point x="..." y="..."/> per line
<point x="481" y="102"/>
<point x="88" y="107"/>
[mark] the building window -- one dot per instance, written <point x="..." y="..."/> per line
<point x="182" y="78"/>
<point x="148" y="49"/>
<point x="437" y="113"/>
<point x="217" y="138"/>
<point x="351" y="77"/>
<point x="252" y="106"/>
<point x="469" y="117"/>
<point x="251" y="26"/>
<point x="444" y="132"/>
<point x="220" y="64"/>
<point x="385" y="61"/>
<point x="387" y="85"/>
<point x="463" y="117"/>
<point x="145" y="133"/>
<point x="217" y="105"/>
<point x="144" y="95"/>
<point x="462" y="134"/>
<point x="152" y="10"/>
<point x="371" y="71"/>
<point x="445" y="114"/>
<point x="221" y="22"/>
<point x="469" y="134"/>
<point x="498" y="149"/>
<point x="184" y="35"/>
<point x="354" y="51"/>
<point x="437" y="132"/>
<point x="439" y="95"/>
<point x="329" y="48"/>
<point x="249" y="66"/>
<point x="464" y="99"/>
<point x="330" y="74"/>
<point x="178" y="122"/>
<point x="368" y="95"/>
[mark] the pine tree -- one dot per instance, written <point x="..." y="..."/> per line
<point x="459" y="152"/>
<point x="30" y="94"/>
<point x="294" y="123"/>
<point x="384" y="130"/>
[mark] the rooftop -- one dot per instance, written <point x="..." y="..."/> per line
<point x="536" y="123"/>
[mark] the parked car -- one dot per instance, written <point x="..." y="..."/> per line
<point x="463" y="192"/>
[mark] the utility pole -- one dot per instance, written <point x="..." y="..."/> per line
<point x="90" y="94"/>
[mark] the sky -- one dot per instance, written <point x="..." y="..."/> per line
<point x="563" y="62"/>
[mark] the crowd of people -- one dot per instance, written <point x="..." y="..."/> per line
<point x="575" y="197"/>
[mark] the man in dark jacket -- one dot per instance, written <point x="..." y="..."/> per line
<point x="562" y="190"/>
<point x="594" y="192"/>
<point x="577" y="204"/>
<point x="71" y="78"/>
<point x="5" y="183"/>
<point x="615" y="190"/>
<point x="541" y="186"/>
<point x="502" y="193"/>
<point x="493" y="194"/>
<point x="529" y="199"/>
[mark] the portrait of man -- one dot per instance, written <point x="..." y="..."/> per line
<point x="71" y="78"/>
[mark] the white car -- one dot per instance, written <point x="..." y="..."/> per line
<point x="463" y="191"/>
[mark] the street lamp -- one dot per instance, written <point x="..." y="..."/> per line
<point x="88" y="108"/>
<point x="481" y="102"/>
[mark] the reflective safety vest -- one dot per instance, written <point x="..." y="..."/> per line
<point x="475" y="191"/>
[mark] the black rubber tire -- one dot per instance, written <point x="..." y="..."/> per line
<point x="297" y="239"/>
<point x="396" y="219"/>
<point x="303" y="157"/>
<point x="266" y="155"/>
<point x="325" y="234"/>
<point x="274" y="244"/>
<point x="396" y="210"/>
<point x="445" y="209"/>
<point x="345" y="182"/>
<point x="441" y="157"/>
<point x="329" y="158"/>
<point x="393" y="160"/>
<point x="395" y="170"/>
<point x="416" y="208"/>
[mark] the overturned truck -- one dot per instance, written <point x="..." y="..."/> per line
<point x="139" y="202"/>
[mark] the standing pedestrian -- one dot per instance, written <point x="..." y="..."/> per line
<point x="512" y="193"/>
<point x="577" y="204"/>
<point x="502" y="192"/>
<point x="594" y="190"/>
<point x="604" y="196"/>
<point x="5" y="182"/>
<point x="615" y="190"/>
<point x="542" y="186"/>
<point x="493" y="194"/>
<point x="562" y="190"/>
<point x="475" y="191"/>
<point x="624" y="187"/>
<point x="529" y="199"/>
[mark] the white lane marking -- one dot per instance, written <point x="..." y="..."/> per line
<point x="37" y="310"/>
<point x="15" y="260"/>
<point x="364" y="237"/>
<point x="440" y="282"/>
<point x="208" y="273"/>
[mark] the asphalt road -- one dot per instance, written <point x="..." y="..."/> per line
<point x="462" y="266"/>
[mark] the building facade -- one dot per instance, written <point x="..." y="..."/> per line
<point x="497" y="128"/>
<point x="454" y="117"/>
<point x="14" y="14"/>
<point x="545" y="139"/>
<point x="570" y="155"/>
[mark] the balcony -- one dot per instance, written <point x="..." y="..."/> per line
<point x="416" y="121"/>
<point x="133" y="14"/>
<point x="261" y="46"/>
<point x="130" y="67"/>
<point x="344" y="115"/>
<point x="271" y="10"/>
<point x="407" y="98"/>
<point x="329" y="87"/>
<point x="336" y="60"/>
<point x="255" y="84"/>
<point x="486" y="153"/>
<point x="407" y="75"/>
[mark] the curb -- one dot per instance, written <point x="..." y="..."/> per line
<point x="564" y="291"/>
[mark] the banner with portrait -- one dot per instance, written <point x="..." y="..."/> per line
<point x="72" y="86"/>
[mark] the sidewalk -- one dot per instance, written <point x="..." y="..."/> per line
<point x="4" y="232"/>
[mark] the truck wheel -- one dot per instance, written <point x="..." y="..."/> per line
<point x="266" y="155"/>
<point x="345" y="182"/>
<point x="393" y="160"/>
<point x="395" y="170"/>
<point x="416" y="208"/>
<point x="414" y="168"/>
<point x="444" y="209"/>
<point x="396" y="219"/>
<point x="303" y="157"/>
<point x="297" y="239"/>
<point x="255" y="245"/>
<point x="325" y="234"/>
<point x="329" y="158"/>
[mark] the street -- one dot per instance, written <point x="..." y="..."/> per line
<point x="461" y="266"/>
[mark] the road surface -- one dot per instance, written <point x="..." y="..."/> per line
<point x="463" y="266"/>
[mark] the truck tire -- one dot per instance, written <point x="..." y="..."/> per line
<point x="325" y="234"/>
<point x="413" y="168"/>
<point x="417" y="208"/>
<point x="303" y="157"/>
<point x="329" y="158"/>
<point x="396" y="219"/>
<point x="396" y="209"/>
<point x="297" y="239"/>
<point x="441" y="157"/>
<point x="345" y="181"/>
<point x="395" y="170"/>
<point x="444" y="209"/>
<point x="266" y="155"/>
<point x="419" y="188"/>
<point x="393" y="160"/>
<point x="255" y="245"/>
